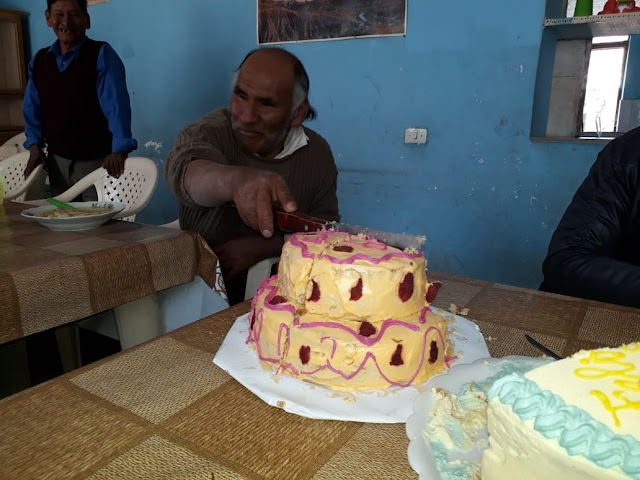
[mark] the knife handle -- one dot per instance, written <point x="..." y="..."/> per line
<point x="298" y="222"/>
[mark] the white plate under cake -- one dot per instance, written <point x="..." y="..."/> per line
<point x="351" y="317"/>
<point x="304" y="398"/>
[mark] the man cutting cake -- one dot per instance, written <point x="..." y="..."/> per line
<point x="230" y="168"/>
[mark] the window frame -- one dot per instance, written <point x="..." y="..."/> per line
<point x="558" y="28"/>
<point x="602" y="46"/>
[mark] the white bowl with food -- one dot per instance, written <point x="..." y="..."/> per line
<point x="85" y="215"/>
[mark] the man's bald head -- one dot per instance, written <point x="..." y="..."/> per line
<point x="269" y="98"/>
<point x="274" y="58"/>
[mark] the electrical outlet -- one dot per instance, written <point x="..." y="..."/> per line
<point x="415" y="135"/>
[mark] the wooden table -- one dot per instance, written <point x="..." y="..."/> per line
<point x="163" y="410"/>
<point x="50" y="278"/>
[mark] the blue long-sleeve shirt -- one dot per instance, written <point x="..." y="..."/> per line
<point x="112" y="94"/>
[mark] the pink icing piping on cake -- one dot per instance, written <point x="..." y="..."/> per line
<point x="374" y="245"/>
<point x="255" y="335"/>
<point x="335" y="344"/>
<point x="371" y="243"/>
<point x="375" y="360"/>
<point x="368" y="341"/>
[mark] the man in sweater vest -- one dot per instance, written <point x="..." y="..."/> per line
<point x="230" y="168"/>
<point x="76" y="103"/>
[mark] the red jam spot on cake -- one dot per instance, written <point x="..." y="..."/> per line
<point x="277" y="299"/>
<point x="305" y="354"/>
<point x="343" y="248"/>
<point x="253" y="321"/>
<point x="396" y="358"/>
<point x="366" y="329"/>
<point x="315" y="292"/>
<point x="356" y="291"/>
<point x="405" y="289"/>
<point x="432" y="291"/>
<point x="433" y="352"/>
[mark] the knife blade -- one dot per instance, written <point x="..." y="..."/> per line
<point x="300" y="222"/>
<point x="542" y="348"/>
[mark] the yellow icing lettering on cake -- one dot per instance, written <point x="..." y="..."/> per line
<point x="614" y="365"/>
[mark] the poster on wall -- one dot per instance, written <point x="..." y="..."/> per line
<point x="282" y="21"/>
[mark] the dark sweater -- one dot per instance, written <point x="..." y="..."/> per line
<point x="310" y="173"/>
<point x="595" y="251"/>
<point x="73" y="123"/>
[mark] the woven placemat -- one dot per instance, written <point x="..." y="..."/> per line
<point x="159" y="459"/>
<point x="263" y="439"/>
<point x="374" y="451"/>
<point x="51" y="297"/>
<point x="610" y="327"/>
<point x="9" y="309"/>
<point x="127" y="271"/>
<point x="154" y="381"/>
<point x="52" y="431"/>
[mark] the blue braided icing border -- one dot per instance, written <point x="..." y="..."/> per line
<point x="576" y="431"/>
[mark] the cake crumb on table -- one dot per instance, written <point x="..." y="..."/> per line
<point x="453" y="308"/>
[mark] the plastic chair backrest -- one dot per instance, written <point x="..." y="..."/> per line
<point x="7" y="151"/>
<point x="15" y="185"/>
<point x="16" y="141"/>
<point x="257" y="274"/>
<point x="134" y="188"/>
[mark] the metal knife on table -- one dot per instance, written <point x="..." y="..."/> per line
<point x="300" y="222"/>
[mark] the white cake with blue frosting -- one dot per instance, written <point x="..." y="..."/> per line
<point x="578" y="418"/>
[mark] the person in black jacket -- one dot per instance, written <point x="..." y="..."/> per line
<point x="595" y="251"/>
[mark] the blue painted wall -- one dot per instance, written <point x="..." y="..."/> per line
<point x="485" y="196"/>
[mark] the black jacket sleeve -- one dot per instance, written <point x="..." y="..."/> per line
<point x="595" y="251"/>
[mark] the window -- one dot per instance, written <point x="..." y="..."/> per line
<point x="588" y="81"/>
<point x="585" y="88"/>
<point x="603" y="86"/>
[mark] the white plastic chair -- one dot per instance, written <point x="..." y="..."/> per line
<point x="134" y="188"/>
<point x="16" y="142"/>
<point x="258" y="274"/>
<point x="15" y="185"/>
<point x="13" y="146"/>
<point x="7" y="151"/>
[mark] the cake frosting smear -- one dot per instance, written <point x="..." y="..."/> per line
<point x="455" y="429"/>
<point x="577" y="418"/>
<point x="349" y="312"/>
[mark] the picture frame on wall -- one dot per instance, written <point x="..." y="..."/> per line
<point x="285" y="21"/>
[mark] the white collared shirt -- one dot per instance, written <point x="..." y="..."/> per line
<point x="296" y="139"/>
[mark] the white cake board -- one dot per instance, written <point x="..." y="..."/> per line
<point x="240" y="360"/>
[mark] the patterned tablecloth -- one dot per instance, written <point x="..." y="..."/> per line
<point x="163" y="410"/>
<point x="49" y="278"/>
